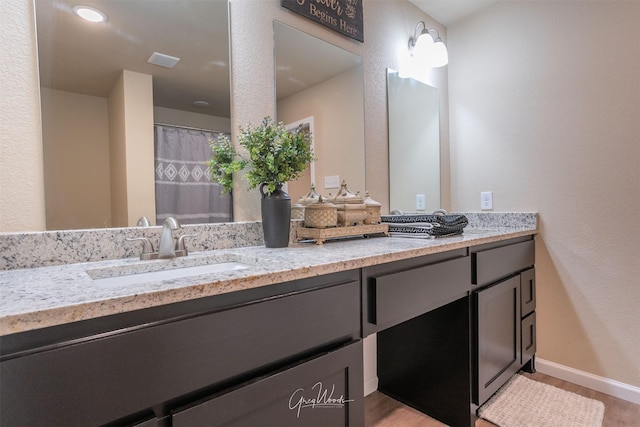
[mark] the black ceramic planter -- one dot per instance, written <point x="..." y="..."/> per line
<point x="276" y="217"/>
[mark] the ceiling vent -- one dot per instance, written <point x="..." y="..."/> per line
<point x="163" y="60"/>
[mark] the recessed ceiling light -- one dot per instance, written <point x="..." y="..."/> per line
<point x="90" y="14"/>
<point x="201" y="104"/>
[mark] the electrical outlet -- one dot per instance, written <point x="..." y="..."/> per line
<point x="486" y="200"/>
<point x="420" y="202"/>
<point x="332" y="181"/>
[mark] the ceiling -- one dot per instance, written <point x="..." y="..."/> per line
<point x="87" y="58"/>
<point x="449" y="11"/>
<point x="82" y="57"/>
<point x="302" y="61"/>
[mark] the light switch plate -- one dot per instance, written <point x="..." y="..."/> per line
<point x="420" y="202"/>
<point x="332" y="181"/>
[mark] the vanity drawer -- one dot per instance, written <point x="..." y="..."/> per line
<point x="326" y="390"/>
<point x="493" y="264"/>
<point x="403" y="295"/>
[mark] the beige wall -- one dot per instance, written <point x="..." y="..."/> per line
<point x="76" y="160"/>
<point x="117" y="154"/>
<point x="22" y="204"/>
<point x="336" y="107"/>
<point x="141" y="184"/>
<point x="131" y="149"/>
<point x="189" y="119"/>
<point x="76" y="155"/>
<point x="545" y="112"/>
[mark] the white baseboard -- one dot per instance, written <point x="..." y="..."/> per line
<point x="370" y="385"/>
<point x="604" y="385"/>
<point x="585" y="379"/>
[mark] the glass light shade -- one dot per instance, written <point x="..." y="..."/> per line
<point x="439" y="56"/>
<point x="424" y="45"/>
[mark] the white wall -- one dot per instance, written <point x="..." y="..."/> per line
<point x="545" y="112"/>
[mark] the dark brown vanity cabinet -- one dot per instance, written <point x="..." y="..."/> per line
<point x="451" y="328"/>
<point x="239" y="358"/>
<point x="503" y="307"/>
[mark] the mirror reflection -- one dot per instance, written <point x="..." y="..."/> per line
<point x="322" y="86"/>
<point x="101" y="98"/>
<point x="414" y="145"/>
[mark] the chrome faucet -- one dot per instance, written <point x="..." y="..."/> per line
<point x="167" y="247"/>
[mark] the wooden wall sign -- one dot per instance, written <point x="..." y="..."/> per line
<point x="343" y="16"/>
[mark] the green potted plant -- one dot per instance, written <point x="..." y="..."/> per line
<point x="274" y="156"/>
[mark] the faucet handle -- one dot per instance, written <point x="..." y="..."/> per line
<point x="143" y="221"/>
<point x="180" y="243"/>
<point x="147" y="246"/>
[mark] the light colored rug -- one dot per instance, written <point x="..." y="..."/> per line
<point x="522" y="402"/>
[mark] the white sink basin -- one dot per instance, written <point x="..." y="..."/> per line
<point x="176" y="273"/>
<point x="141" y="272"/>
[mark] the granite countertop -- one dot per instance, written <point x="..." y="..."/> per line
<point x="35" y="298"/>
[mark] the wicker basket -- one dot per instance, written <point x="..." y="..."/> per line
<point x="320" y="215"/>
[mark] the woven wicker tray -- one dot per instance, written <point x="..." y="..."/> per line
<point x="322" y="234"/>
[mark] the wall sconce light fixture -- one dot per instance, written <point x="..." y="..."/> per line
<point x="426" y="48"/>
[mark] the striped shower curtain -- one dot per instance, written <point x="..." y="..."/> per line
<point x="183" y="187"/>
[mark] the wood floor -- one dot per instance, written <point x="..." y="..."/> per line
<point x="383" y="411"/>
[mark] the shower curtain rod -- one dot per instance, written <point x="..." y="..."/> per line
<point x="189" y="128"/>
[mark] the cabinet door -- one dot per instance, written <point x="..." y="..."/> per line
<point x="497" y="336"/>
<point x="324" y="391"/>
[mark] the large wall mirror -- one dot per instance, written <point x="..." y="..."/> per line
<point x="98" y="87"/>
<point x="322" y="85"/>
<point x="80" y="60"/>
<point x="414" y="145"/>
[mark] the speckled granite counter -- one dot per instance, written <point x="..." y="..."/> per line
<point x="35" y="298"/>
